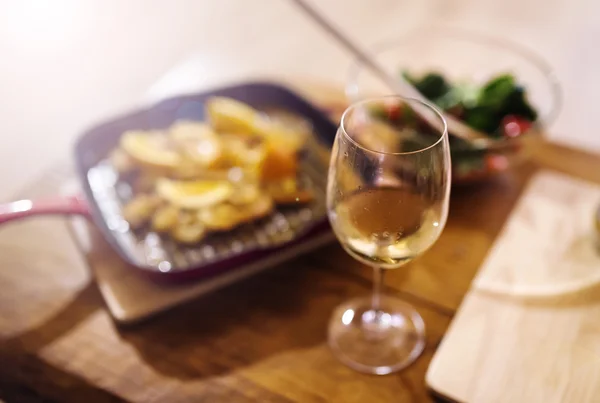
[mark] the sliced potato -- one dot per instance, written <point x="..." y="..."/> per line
<point x="243" y="152"/>
<point x="245" y="194"/>
<point x="188" y="233"/>
<point x="194" y="194"/>
<point x="187" y="129"/>
<point x="260" y="208"/>
<point x="150" y="148"/>
<point x="287" y="191"/>
<point x="197" y="141"/>
<point x="198" y="177"/>
<point x="121" y="161"/>
<point x="223" y="217"/>
<point x="229" y="115"/>
<point x="165" y="218"/>
<point x="145" y="182"/>
<point x="188" y="169"/>
<point x="139" y="210"/>
<point x="188" y="216"/>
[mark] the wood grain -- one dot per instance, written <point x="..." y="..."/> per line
<point x="528" y="330"/>
<point x="260" y="340"/>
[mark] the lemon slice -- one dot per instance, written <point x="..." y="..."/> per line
<point x="197" y="141"/>
<point x="150" y="148"/>
<point x="193" y="194"/>
<point x="229" y="115"/>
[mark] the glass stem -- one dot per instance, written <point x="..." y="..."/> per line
<point x="378" y="274"/>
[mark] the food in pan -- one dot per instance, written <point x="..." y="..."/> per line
<point x="198" y="178"/>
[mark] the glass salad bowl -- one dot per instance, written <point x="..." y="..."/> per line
<point x="498" y="86"/>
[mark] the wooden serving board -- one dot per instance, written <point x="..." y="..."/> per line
<point x="131" y="296"/>
<point x="529" y="328"/>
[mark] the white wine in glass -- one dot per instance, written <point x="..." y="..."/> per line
<point x="387" y="199"/>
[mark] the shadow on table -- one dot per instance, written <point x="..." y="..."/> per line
<point x="284" y="309"/>
<point x="437" y="398"/>
<point x="87" y="301"/>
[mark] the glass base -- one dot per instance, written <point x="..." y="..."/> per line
<point x="376" y="342"/>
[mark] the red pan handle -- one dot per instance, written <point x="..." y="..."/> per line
<point x="63" y="205"/>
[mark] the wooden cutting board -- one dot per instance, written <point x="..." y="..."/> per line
<point x="529" y="328"/>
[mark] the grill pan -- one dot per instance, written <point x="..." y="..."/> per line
<point x="104" y="193"/>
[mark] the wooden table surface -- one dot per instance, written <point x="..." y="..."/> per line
<point x="259" y="340"/>
<point x="262" y="339"/>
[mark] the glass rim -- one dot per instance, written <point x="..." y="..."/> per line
<point x="354" y="105"/>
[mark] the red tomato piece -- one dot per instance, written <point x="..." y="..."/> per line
<point x="514" y="126"/>
<point x="496" y="163"/>
<point x="394" y="111"/>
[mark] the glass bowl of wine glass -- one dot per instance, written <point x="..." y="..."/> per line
<point x="494" y="85"/>
<point x="388" y="192"/>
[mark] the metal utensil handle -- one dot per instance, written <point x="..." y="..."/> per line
<point x="397" y="84"/>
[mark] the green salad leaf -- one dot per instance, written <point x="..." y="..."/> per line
<point x="517" y="104"/>
<point x="432" y="85"/>
<point x="482" y="118"/>
<point x="481" y="107"/>
<point x="496" y="92"/>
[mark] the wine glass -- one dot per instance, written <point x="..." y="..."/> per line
<point x="387" y="199"/>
